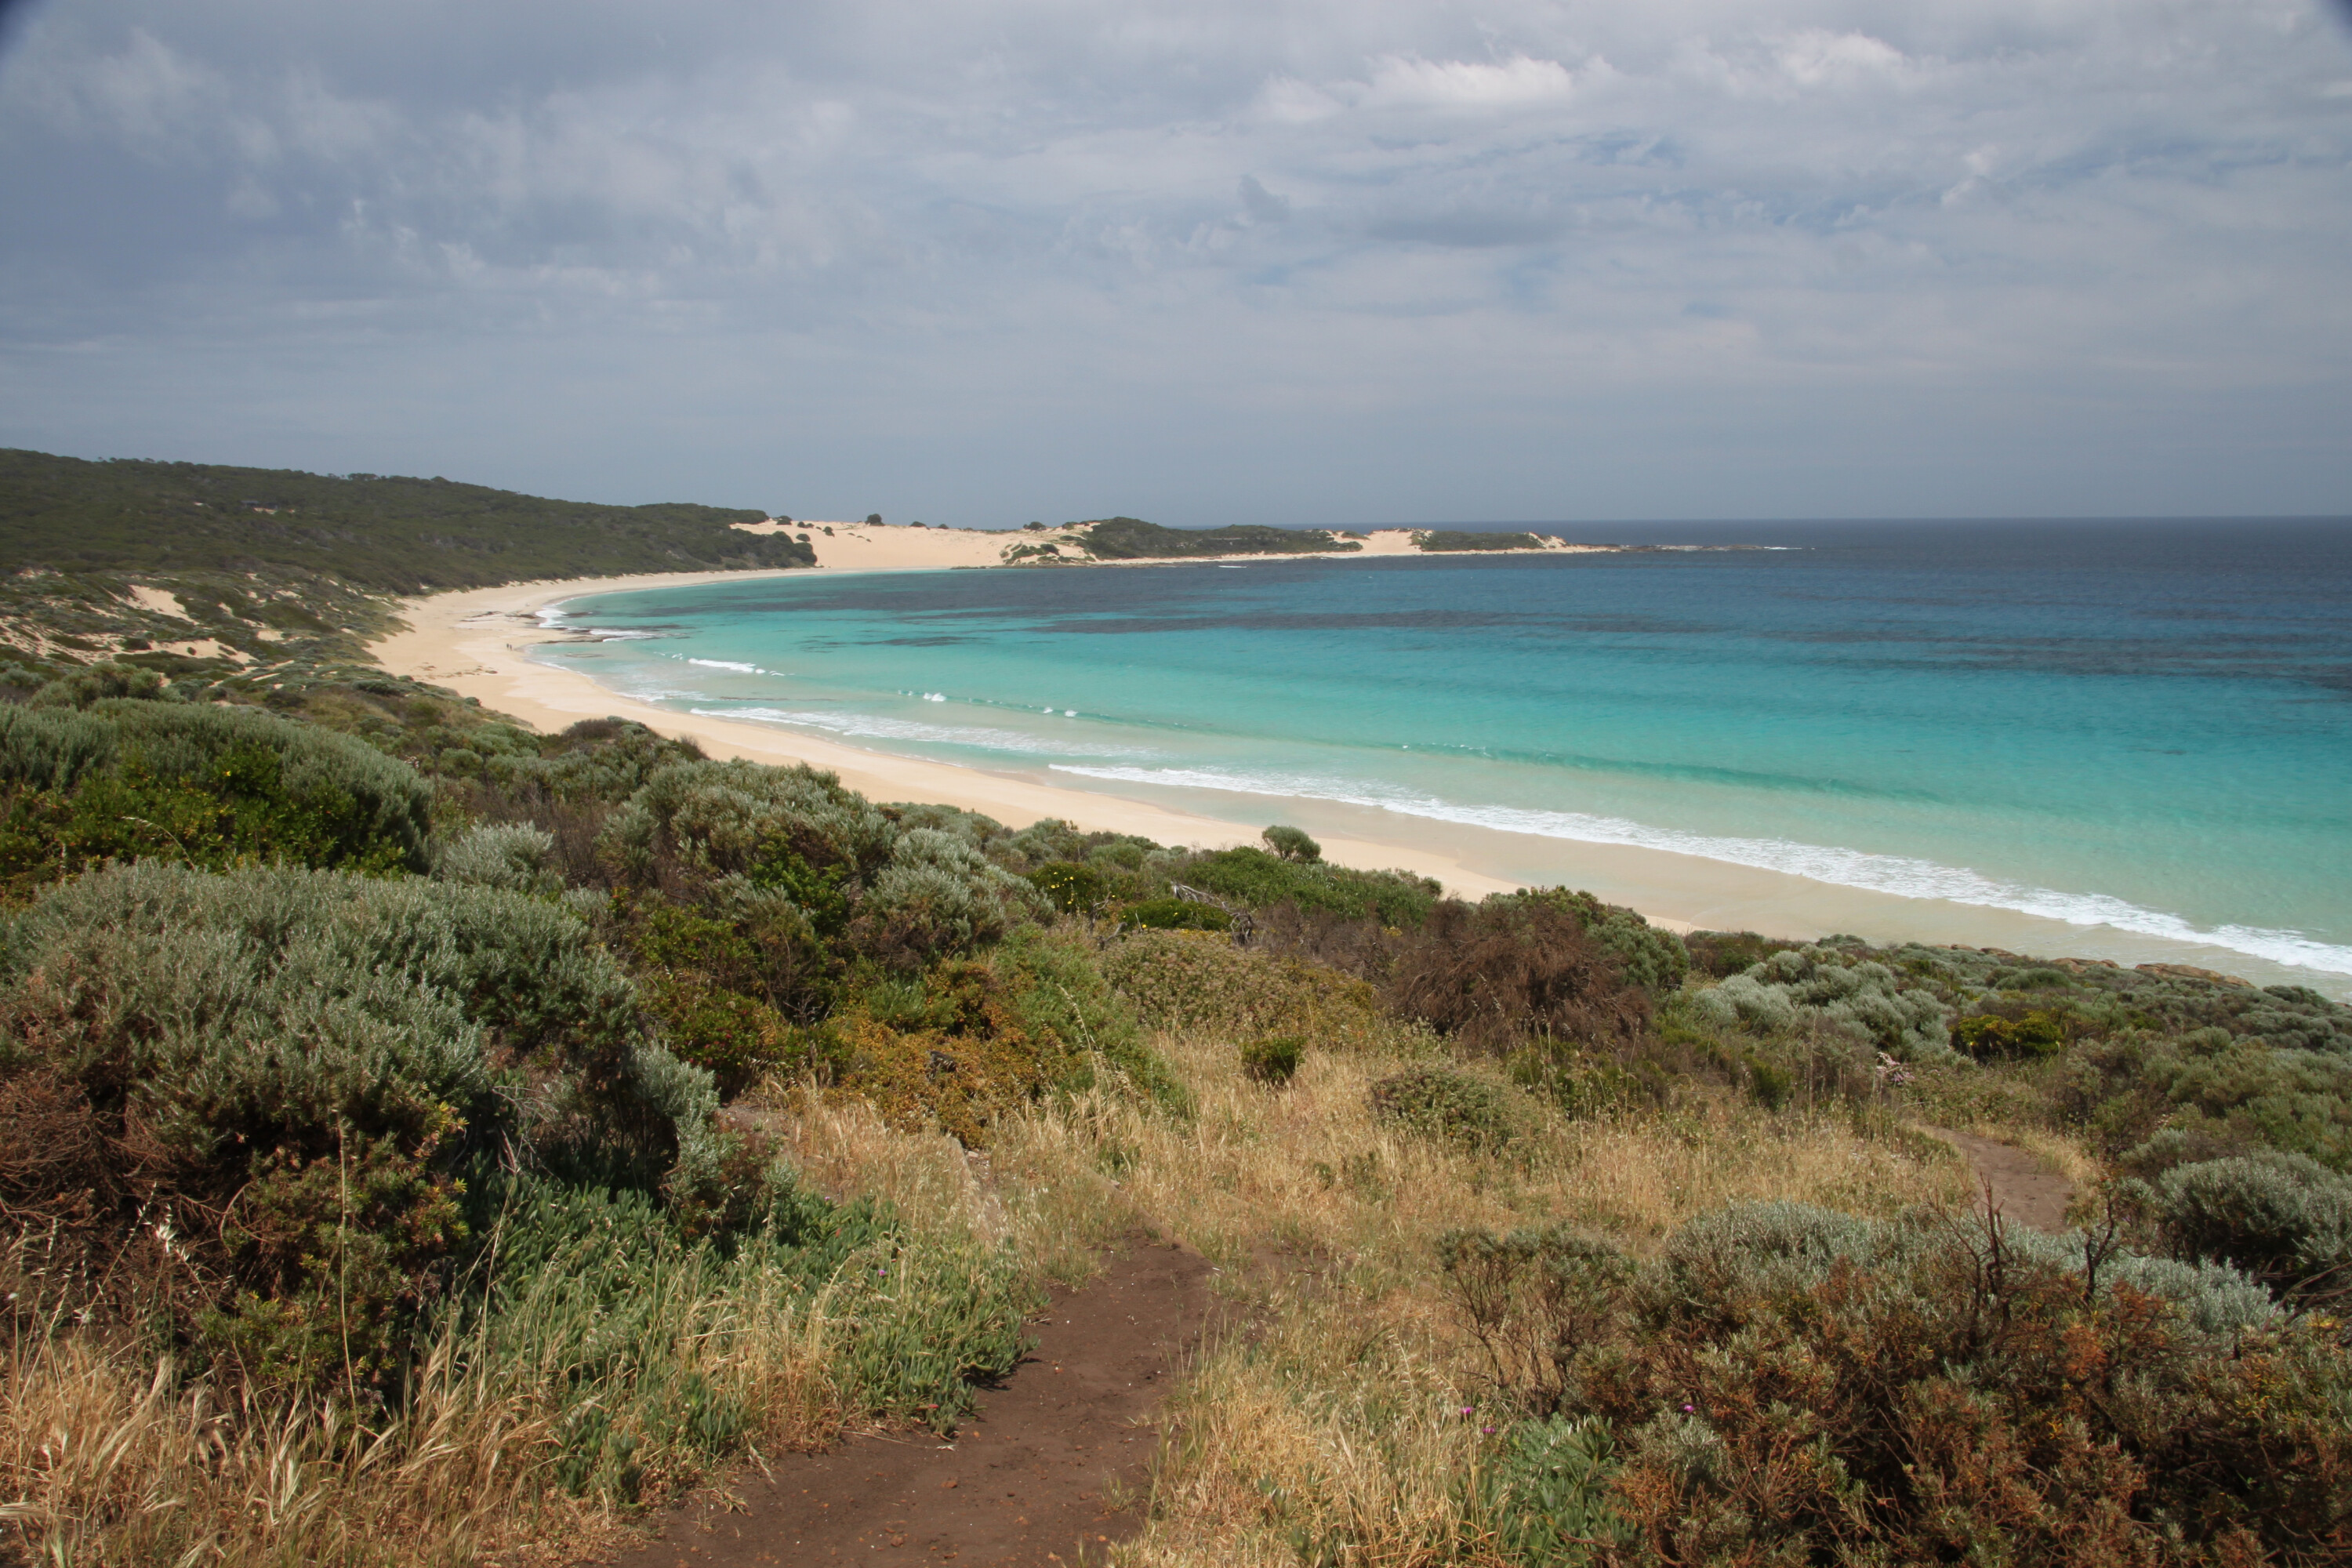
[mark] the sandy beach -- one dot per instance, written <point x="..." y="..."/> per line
<point x="477" y="643"/>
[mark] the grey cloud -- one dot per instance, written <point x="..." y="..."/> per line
<point x="701" y="247"/>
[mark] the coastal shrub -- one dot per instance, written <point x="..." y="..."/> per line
<point x="939" y="894"/>
<point x="1292" y="843"/>
<point x="271" y="1087"/>
<point x="1255" y="877"/>
<point x="1653" y="959"/>
<point x="1783" y="1384"/>
<point x="205" y="785"/>
<point x="2035" y="1032"/>
<point x="972" y="1038"/>
<point x="1203" y="982"/>
<point x="1448" y="1106"/>
<point x="1275" y="1060"/>
<point x="1174" y="915"/>
<point x="83" y="688"/>
<point x="794" y="828"/>
<point x="2205" y="1092"/>
<point x="1071" y="887"/>
<point x="1719" y="953"/>
<point x="1532" y="1299"/>
<point x="1826" y="989"/>
<point x="1506" y="972"/>
<point x="1548" y="1492"/>
<point x="509" y="854"/>
<point x="2281" y="1219"/>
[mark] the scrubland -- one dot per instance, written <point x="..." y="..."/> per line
<point x="424" y="1140"/>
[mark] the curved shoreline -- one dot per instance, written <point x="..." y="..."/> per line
<point x="477" y="642"/>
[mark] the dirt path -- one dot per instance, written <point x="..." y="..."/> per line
<point x="2024" y="1188"/>
<point x="1053" y="1469"/>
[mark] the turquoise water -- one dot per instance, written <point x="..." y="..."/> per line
<point x="2143" y="726"/>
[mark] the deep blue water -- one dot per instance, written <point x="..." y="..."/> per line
<point x="2146" y="725"/>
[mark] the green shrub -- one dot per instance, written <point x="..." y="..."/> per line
<point x="1257" y="879"/>
<point x="1653" y="959"/>
<point x="2039" y="1032"/>
<point x="509" y="854"/>
<point x="208" y="787"/>
<point x="1292" y="843"/>
<point x="1174" y="915"/>
<point x="1448" y="1106"/>
<point x="1274" y="1061"/>
<point x="1071" y="888"/>
<point x="2282" y="1219"/>
<point x="938" y="895"/>
<point x="322" y="1062"/>
<point x="1547" y="1490"/>
<point x="1198" y="981"/>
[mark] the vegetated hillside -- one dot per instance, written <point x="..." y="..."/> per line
<point x="501" y="1131"/>
<point x="379" y="534"/>
<point x="244" y="574"/>
<point x="1132" y="539"/>
<point x="1445" y="541"/>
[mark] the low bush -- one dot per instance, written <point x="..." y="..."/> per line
<point x="1548" y="1491"/>
<point x="1201" y="982"/>
<point x="1532" y="1298"/>
<point x="1292" y="843"/>
<point x="208" y="786"/>
<point x="2284" y="1219"/>
<point x="1174" y="915"/>
<point x="1255" y="877"/>
<point x="1273" y="1061"/>
<point x="1070" y="887"/>
<point x="265" y="1094"/>
<point x="1785" y="1383"/>
<point x="1509" y="972"/>
<point x="1447" y="1106"/>
<point x="1828" y="989"/>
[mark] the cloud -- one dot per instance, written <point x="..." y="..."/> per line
<point x="1386" y="256"/>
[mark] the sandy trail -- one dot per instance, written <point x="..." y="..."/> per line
<point x="1053" y="1469"/>
<point x="2022" y="1186"/>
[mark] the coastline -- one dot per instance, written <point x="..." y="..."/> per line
<point x="477" y="642"/>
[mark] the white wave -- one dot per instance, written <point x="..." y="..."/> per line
<point x="873" y="727"/>
<point x="610" y="634"/>
<point x="727" y="664"/>
<point x="1902" y="875"/>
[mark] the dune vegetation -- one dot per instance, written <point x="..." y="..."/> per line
<point x="422" y="1139"/>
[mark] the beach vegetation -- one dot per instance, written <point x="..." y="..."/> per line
<point x="1292" y="843"/>
<point x="505" y="1131"/>
<point x="1132" y="539"/>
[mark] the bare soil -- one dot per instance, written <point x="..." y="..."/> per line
<point x="1054" y="1468"/>
<point x="2023" y="1187"/>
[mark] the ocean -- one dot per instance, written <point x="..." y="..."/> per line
<point x="2138" y="730"/>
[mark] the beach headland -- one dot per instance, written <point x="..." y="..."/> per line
<point x="479" y="642"/>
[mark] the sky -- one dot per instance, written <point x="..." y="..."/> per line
<point x="1314" y="262"/>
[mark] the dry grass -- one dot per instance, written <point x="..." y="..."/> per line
<point x="1333" y="1430"/>
<point x="1330" y="1426"/>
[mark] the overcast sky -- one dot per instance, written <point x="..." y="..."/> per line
<point x="1203" y="262"/>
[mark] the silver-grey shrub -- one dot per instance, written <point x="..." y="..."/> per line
<point x="939" y="893"/>
<point x="512" y="856"/>
<point x="1822" y="988"/>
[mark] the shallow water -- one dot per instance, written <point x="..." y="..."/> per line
<point x="2146" y="727"/>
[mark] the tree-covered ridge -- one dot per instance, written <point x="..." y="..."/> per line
<point x="1132" y="539"/>
<point x="375" y="532"/>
